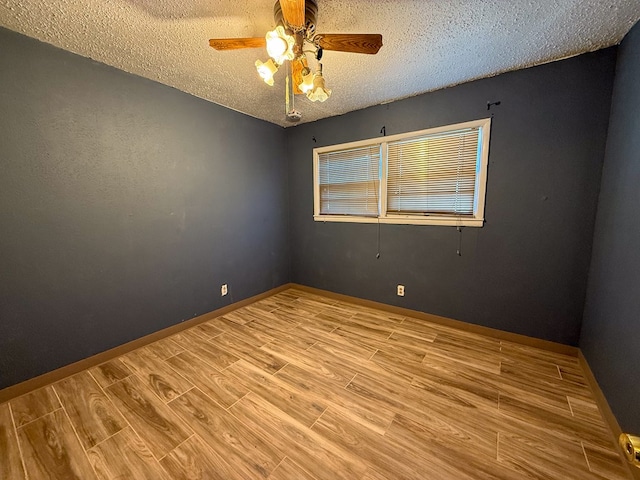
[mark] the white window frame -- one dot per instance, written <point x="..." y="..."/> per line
<point x="475" y="220"/>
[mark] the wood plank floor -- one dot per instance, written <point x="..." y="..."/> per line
<point x="299" y="386"/>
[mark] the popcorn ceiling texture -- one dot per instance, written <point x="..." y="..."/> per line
<point x="428" y="45"/>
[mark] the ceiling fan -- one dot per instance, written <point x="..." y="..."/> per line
<point x="295" y="43"/>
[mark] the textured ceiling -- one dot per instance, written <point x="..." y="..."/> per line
<point x="428" y="44"/>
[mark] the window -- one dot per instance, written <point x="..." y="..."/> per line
<point x="431" y="177"/>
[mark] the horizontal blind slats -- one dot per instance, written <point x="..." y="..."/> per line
<point x="433" y="174"/>
<point x="349" y="181"/>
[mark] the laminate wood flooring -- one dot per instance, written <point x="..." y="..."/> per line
<point x="300" y="386"/>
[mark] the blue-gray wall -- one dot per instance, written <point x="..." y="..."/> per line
<point x="526" y="270"/>
<point x="124" y="205"/>
<point x="610" y="337"/>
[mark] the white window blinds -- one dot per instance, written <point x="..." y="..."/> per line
<point x="433" y="174"/>
<point x="349" y="181"/>
<point x="436" y="176"/>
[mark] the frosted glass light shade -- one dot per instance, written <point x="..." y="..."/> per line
<point x="307" y="83"/>
<point x="319" y="93"/>
<point x="266" y="70"/>
<point x="280" y="45"/>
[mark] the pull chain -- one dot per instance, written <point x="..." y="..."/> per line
<point x="383" y="131"/>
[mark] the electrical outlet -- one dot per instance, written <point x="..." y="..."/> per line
<point x="401" y="290"/>
<point x="224" y="290"/>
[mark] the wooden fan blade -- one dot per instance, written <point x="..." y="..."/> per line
<point x="296" y="74"/>
<point x="237" y="43"/>
<point x="293" y="12"/>
<point x="351" y="42"/>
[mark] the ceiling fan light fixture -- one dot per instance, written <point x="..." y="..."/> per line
<point x="307" y="83"/>
<point x="267" y="70"/>
<point x="296" y="44"/>
<point x="280" y="45"/>
<point x="319" y="92"/>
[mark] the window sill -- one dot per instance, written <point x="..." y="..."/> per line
<point x="405" y="220"/>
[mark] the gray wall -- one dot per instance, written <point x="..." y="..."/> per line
<point x="611" y="330"/>
<point x="124" y="205"/>
<point x="526" y="270"/>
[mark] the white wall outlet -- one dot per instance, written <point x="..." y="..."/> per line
<point x="224" y="290"/>
<point x="401" y="290"/>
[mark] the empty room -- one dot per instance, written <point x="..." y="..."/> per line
<point x="319" y="239"/>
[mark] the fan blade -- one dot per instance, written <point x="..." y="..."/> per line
<point x="237" y="43"/>
<point x="296" y="74"/>
<point x="293" y="12"/>
<point x="351" y="42"/>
